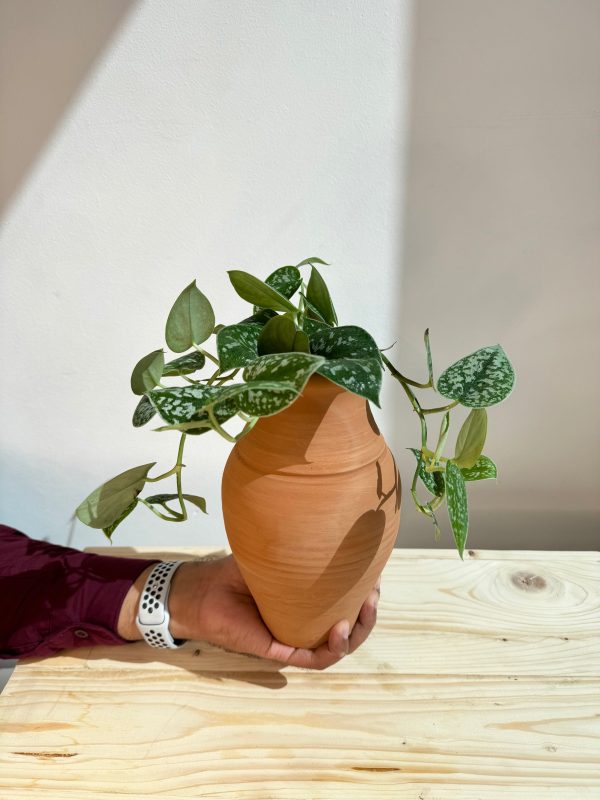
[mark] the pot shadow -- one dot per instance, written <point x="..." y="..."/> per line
<point x="344" y="571"/>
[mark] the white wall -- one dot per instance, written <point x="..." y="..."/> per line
<point x="501" y="243"/>
<point x="445" y="158"/>
<point x="207" y="135"/>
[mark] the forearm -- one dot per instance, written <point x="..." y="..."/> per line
<point x="56" y="597"/>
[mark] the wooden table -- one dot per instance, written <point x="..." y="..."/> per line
<point x="481" y="680"/>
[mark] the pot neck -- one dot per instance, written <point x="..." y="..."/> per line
<point x="326" y="430"/>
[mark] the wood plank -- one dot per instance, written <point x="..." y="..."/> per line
<point x="242" y="736"/>
<point x="481" y="680"/>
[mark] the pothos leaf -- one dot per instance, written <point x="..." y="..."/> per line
<point x="106" y="504"/>
<point x="144" y="411"/>
<point x="110" y="529"/>
<point x="433" y="481"/>
<point x="483" y="469"/>
<point x="313" y="260"/>
<point x="285" y="280"/>
<point x="318" y="295"/>
<point x="458" y="511"/>
<point x="147" y="372"/>
<point x="481" y="379"/>
<point x="181" y="404"/>
<point x="255" y="291"/>
<point x="237" y="345"/>
<point x="160" y="499"/>
<point x="353" y="359"/>
<point x="190" y="321"/>
<point x="184" y="365"/>
<point x="471" y="438"/>
<point x="277" y="336"/>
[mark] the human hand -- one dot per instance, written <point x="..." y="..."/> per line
<point x="210" y="601"/>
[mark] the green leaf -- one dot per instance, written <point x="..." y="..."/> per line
<point x="483" y="468"/>
<point x="458" y="511"/>
<point x="105" y="504"/>
<point x="484" y="378"/>
<point x="434" y="481"/>
<point x="311" y="261"/>
<point x="255" y="291"/>
<point x="277" y="336"/>
<point x="314" y="326"/>
<point x="471" y="438"/>
<point x="237" y="345"/>
<point x="144" y="411"/>
<point x="353" y="359"/>
<point x="260" y="317"/>
<point x="191" y="320"/>
<point x="273" y="382"/>
<point x="318" y="296"/>
<point x="160" y="499"/>
<point x="184" y="365"/>
<point x="312" y="312"/>
<point x="147" y="372"/>
<point x="181" y="404"/>
<point x="285" y="280"/>
<point x="110" y="529"/>
<point x="301" y="342"/>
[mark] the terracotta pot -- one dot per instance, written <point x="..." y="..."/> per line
<point x="311" y="500"/>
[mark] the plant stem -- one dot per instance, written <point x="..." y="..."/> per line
<point x="178" y="477"/>
<point x="411" y="396"/>
<point x="402" y="378"/>
<point x="444" y="427"/>
<point x="208" y="355"/>
<point x="221" y="431"/>
<point x="158" y="514"/>
<point x="439" y="409"/>
<point x="168" y="474"/>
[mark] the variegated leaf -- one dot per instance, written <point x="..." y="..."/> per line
<point x="314" y="326"/>
<point x="183" y="404"/>
<point x="458" y="511"/>
<point x="481" y="379"/>
<point x="105" y="505"/>
<point x="237" y="345"/>
<point x="144" y="411"/>
<point x="353" y="359"/>
<point x="483" y="469"/>
<point x="259" y="398"/>
<point x="285" y="280"/>
<point x="184" y="365"/>
<point x="434" y="481"/>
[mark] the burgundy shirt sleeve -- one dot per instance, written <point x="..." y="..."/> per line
<point x="53" y="597"/>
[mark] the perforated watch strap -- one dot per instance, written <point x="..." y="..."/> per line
<point x="153" y="613"/>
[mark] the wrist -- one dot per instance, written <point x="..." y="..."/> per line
<point x="188" y="589"/>
<point x="126" y="627"/>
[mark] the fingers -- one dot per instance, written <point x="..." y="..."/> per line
<point x="341" y="641"/>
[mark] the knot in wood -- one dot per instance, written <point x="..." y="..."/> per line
<point x="528" y="581"/>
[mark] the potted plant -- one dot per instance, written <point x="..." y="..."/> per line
<point x="311" y="492"/>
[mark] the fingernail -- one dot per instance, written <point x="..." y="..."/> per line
<point x="346" y="631"/>
<point x="376" y="603"/>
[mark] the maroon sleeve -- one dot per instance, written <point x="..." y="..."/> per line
<point x="53" y="597"/>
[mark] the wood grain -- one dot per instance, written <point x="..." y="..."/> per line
<point x="481" y="680"/>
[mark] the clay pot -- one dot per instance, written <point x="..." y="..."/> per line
<point x="311" y="501"/>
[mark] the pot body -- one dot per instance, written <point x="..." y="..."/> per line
<point x="311" y="502"/>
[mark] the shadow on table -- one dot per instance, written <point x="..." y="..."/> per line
<point x="207" y="661"/>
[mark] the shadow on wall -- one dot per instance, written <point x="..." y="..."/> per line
<point x="46" y="51"/>
<point x="500" y="244"/>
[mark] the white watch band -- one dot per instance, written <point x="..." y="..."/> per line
<point x="153" y="615"/>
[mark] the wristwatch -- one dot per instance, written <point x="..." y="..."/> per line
<point x="153" y="614"/>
